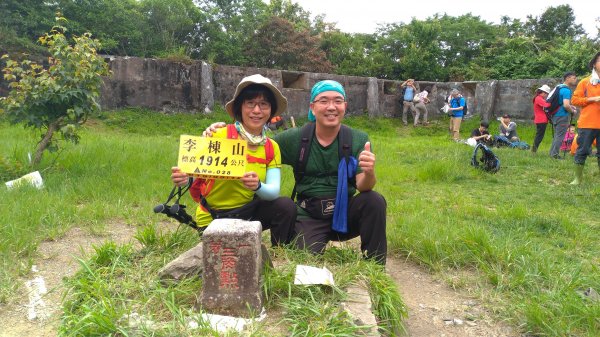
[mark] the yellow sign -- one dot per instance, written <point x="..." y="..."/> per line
<point x="219" y="158"/>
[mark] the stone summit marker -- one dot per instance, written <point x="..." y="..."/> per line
<point x="232" y="268"/>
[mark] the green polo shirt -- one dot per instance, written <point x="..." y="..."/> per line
<point x="321" y="178"/>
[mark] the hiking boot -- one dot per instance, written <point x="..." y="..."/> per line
<point x="578" y="175"/>
<point x="534" y="149"/>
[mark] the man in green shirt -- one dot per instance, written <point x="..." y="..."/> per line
<point x="366" y="211"/>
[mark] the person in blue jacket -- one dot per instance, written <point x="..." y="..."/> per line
<point x="457" y="104"/>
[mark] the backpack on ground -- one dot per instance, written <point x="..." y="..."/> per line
<point x="306" y="135"/>
<point x="485" y="159"/>
<point x="554" y="100"/>
<point x="519" y="145"/>
<point x="501" y="140"/>
<point x="201" y="187"/>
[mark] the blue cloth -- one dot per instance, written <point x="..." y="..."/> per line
<point x="409" y="94"/>
<point x="322" y="86"/>
<point x="340" y="213"/>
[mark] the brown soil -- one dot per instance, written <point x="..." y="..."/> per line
<point x="434" y="308"/>
<point x="57" y="259"/>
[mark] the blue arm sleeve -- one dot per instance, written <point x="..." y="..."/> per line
<point x="269" y="190"/>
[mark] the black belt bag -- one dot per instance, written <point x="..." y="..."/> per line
<point x="245" y="212"/>
<point x="318" y="207"/>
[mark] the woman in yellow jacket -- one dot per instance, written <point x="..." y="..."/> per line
<point x="587" y="96"/>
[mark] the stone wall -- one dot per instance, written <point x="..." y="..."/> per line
<point x="170" y="86"/>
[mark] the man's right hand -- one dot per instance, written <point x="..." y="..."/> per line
<point x="177" y="177"/>
<point x="213" y="128"/>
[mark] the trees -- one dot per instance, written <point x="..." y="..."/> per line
<point x="228" y="32"/>
<point x="277" y="45"/>
<point x="119" y="24"/>
<point x="59" y="98"/>
<point x="556" y="22"/>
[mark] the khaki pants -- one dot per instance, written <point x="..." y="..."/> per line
<point x="407" y="105"/>
<point x="455" y="127"/>
<point x="421" y="110"/>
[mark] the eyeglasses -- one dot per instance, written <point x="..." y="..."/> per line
<point x="326" y="102"/>
<point x="262" y="105"/>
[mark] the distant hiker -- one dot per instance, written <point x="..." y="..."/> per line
<point x="407" y="94"/>
<point x="457" y="104"/>
<point x="562" y="118"/>
<point x="255" y="196"/>
<point x="481" y="135"/>
<point x="568" y="141"/>
<point x="420" y="101"/>
<point x="539" y="115"/>
<point x="508" y="128"/>
<point x="587" y="96"/>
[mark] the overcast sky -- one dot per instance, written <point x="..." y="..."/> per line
<point x="364" y="15"/>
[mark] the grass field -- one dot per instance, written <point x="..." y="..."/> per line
<point x="523" y="238"/>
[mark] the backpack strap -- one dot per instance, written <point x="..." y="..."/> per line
<point x="232" y="133"/>
<point x="201" y="187"/>
<point x="269" y="154"/>
<point x="306" y="135"/>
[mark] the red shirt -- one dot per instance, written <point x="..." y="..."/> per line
<point x="539" y="116"/>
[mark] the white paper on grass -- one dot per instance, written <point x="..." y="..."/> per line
<point x="311" y="275"/>
<point x="33" y="178"/>
<point x="222" y="323"/>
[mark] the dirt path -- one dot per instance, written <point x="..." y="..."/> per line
<point x="434" y="308"/>
<point x="57" y="260"/>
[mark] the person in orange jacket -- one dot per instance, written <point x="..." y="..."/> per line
<point x="587" y="96"/>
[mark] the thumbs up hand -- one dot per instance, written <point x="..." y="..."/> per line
<point x="366" y="160"/>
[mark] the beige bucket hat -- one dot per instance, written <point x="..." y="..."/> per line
<point x="258" y="79"/>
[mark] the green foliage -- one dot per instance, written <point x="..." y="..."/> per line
<point x="60" y="97"/>
<point x="11" y="169"/>
<point x="120" y="25"/>
<point x="28" y="18"/>
<point x="557" y="22"/>
<point x="346" y="52"/>
<point x="171" y="24"/>
<point x="277" y="45"/>
<point x="15" y="44"/>
<point x="176" y="55"/>
<point x="280" y="34"/>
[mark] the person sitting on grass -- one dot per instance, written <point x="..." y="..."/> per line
<point x="481" y="135"/>
<point x="508" y="128"/>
